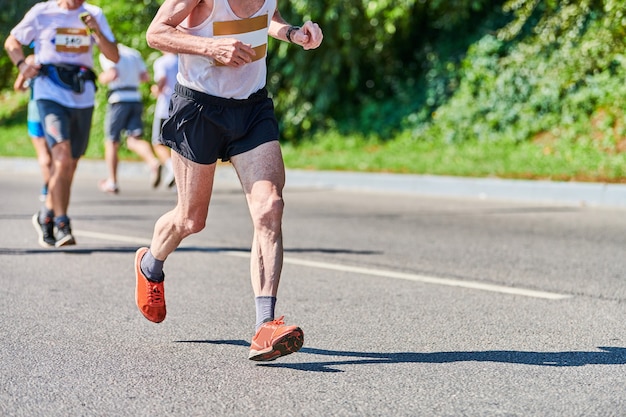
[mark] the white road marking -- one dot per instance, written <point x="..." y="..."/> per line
<point x="112" y="237"/>
<point x="358" y="270"/>
<point x="432" y="280"/>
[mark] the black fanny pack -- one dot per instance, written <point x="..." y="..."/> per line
<point x="70" y="77"/>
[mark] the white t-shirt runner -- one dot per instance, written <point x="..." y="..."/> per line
<point x="165" y="66"/>
<point x="60" y="37"/>
<point x="129" y="69"/>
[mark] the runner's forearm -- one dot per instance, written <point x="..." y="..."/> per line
<point x="14" y="49"/>
<point x="108" y="48"/>
<point x="278" y="27"/>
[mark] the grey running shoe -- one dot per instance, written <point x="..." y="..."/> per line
<point x="45" y="231"/>
<point x="64" y="235"/>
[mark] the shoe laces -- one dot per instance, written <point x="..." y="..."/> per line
<point x="277" y="322"/>
<point x="155" y="295"/>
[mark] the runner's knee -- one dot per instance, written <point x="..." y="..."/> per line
<point x="267" y="211"/>
<point x="188" y="225"/>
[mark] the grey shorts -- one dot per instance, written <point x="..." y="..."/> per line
<point x="62" y="124"/>
<point x="123" y="117"/>
<point x="205" y="128"/>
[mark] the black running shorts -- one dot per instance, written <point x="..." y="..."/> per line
<point x="203" y="128"/>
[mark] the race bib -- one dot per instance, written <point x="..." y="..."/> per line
<point x="72" y="40"/>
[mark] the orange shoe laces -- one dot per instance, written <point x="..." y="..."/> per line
<point x="155" y="295"/>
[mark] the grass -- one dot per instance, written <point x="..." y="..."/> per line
<point x="560" y="160"/>
<point x="15" y="142"/>
<point x="553" y="159"/>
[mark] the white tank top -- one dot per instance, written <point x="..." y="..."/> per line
<point x="209" y="76"/>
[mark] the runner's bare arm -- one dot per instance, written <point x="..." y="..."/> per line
<point x="14" y="50"/>
<point x="107" y="76"/>
<point x="163" y="34"/>
<point x="156" y="89"/>
<point x="27" y="68"/>
<point x="108" y="48"/>
<point x="309" y="36"/>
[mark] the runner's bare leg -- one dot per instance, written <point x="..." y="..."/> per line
<point x="64" y="167"/>
<point x="262" y="175"/>
<point x="194" y="183"/>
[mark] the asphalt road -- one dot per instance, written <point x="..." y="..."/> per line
<point x="411" y="306"/>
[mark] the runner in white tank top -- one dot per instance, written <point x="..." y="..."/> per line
<point x="220" y="109"/>
<point x="209" y="76"/>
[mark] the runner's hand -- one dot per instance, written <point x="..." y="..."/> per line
<point x="29" y="69"/>
<point x="309" y="36"/>
<point x="90" y="22"/>
<point x="232" y="52"/>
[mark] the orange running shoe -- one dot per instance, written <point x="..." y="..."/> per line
<point x="150" y="296"/>
<point x="274" y="339"/>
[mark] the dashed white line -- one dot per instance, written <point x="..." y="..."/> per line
<point x="359" y="270"/>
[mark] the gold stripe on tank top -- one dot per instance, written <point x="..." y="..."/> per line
<point x="234" y="27"/>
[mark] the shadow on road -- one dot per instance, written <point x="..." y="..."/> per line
<point x="606" y="356"/>
<point x="71" y="250"/>
<point x="82" y="250"/>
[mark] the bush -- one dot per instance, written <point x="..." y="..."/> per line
<point x="516" y="86"/>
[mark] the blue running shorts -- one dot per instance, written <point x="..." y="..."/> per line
<point x="62" y="123"/>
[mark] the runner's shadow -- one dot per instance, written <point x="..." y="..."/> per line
<point x="91" y="249"/>
<point x="68" y="250"/>
<point x="605" y="356"/>
<point x="332" y="251"/>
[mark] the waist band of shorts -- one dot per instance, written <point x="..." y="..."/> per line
<point x="208" y="99"/>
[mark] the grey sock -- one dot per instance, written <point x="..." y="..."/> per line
<point x="152" y="268"/>
<point x="264" y="309"/>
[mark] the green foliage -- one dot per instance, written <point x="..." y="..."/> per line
<point x="562" y="161"/>
<point x="368" y="72"/>
<point x="11" y="12"/>
<point x="374" y="57"/>
<point x="516" y="86"/>
<point x="14" y="140"/>
<point x="129" y="21"/>
<point x="399" y="80"/>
